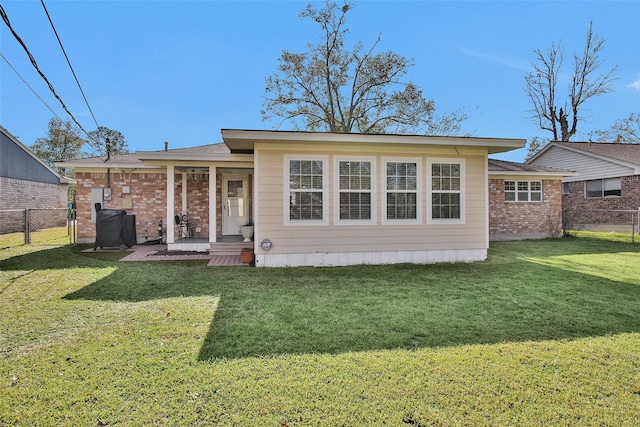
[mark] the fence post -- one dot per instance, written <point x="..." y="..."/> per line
<point x="27" y="232"/>
<point x="638" y="227"/>
<point x="71" y="225"/>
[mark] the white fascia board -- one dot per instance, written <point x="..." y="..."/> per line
<point x="222" y="157"/>
<point x="540" y="174"/>
<point x="84" y="165"/>
<point x="244" y="139"/>
<point x="525" y="173"/>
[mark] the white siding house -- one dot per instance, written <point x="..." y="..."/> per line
<point x="407" y="198"/>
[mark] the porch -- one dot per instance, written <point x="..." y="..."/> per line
<point x="206" y="207"/>
<point x="219" y="254"/>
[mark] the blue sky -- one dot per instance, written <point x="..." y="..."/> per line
<point x="180" y="71"/>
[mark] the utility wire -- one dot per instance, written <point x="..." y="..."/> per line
<point x="69" y="62"/>
<point x="5" y="18"/>
<point x="27" y="84"/>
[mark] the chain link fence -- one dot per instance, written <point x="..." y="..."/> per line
<point x="603" y="220"/>
<point x="37" y="226"/>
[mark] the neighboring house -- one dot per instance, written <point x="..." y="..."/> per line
<point x="606" y="188"/>
<point x="324" y="199"/>
<point x="525" y="201"/>
<point x="26" y="182"/>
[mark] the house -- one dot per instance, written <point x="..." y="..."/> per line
<point x="605" y="191"/>
<point x="321" y="199"/>
<point x="26" y="182"/>
<point x="525" y="201"/>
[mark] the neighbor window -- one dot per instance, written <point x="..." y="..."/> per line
<point x="355" y="198"/>
<point x="523" y="191"/>
<point x="306" y="190"/>
<point x="609" y="187"/>
<point x="402" y="199"/>
<point x="446" y="190"/>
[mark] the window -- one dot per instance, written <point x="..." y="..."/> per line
<point x="402" y="190"/>
<point x="446" y="190"/>
<point x="354" y="192"/>
<point x="306" y="191"/>
<point x="566" y="189"/>
<point x="523" y="191"/>
<point x="610" y="187"/>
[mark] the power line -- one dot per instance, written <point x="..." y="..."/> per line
<point x="27" y="84"/>
<point x="69" y="62"/>
<point x="5" y="18"/>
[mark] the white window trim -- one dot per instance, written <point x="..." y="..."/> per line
<point x="383" y="190"/>
<point x="528" y="191"/>
<point x="325" y="191"/>
<point x="336" y="190"/>
<point x="463" y="194"/>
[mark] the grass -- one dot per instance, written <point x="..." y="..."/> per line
<point x="543" y="333"/>
<point x="45" y="236"/>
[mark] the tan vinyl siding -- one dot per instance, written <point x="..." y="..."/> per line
<point x="378" y="237"/>
<point x="589" y="167"/>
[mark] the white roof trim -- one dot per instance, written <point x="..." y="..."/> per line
<point x="168" y="155"/>
<point x="119" y="165"/>
<point x="243" y="140"/>
<point x="539" y="173"/>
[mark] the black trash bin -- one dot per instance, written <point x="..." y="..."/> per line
<point x="109" y="224"/>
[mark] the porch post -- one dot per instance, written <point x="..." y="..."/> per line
<point x="171" y="182"/>
<point x="184" y="193"/>
<point x="213" y="214"/>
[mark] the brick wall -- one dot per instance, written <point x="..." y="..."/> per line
<point x="22" y="194"/>
<point x="522" y="220"/>
<point x="584" y="212"/>
<point x="18" y="195"/>
<point x="148" y="197"/>
<point x="197" y="202"/>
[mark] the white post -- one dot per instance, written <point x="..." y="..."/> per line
<point x="213" y="220"/>
<point x="171" y="182"/>
<point x="184" y="193"/>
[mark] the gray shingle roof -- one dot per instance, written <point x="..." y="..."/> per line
<point x="624" y="152"/>
<point x="134" y="158"/>
<point x="219" y="148"/>
<point x="505" y="166"/>
<point x="115" y="158"/>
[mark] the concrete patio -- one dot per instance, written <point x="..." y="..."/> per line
<point x="157" y="253"/>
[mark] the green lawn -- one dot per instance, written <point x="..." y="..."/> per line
<point x="45" y="236"/>
<point x="543" y="333"/>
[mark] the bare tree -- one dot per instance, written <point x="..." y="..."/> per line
<point x="331" y="88"/>
<point x="586" y="83"/>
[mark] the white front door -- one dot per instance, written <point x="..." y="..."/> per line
<point x="235" y="203"/>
